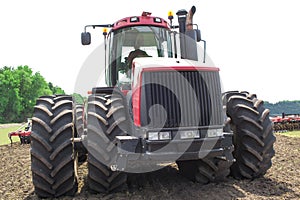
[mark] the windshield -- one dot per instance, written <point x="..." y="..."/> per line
<point x="137" y="41"/>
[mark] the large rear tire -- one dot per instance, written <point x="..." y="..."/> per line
<point x="253" y="135"/>
<point x="53" y="160"/>
<point x="106" y="119"/>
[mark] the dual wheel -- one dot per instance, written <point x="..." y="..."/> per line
<point x="253" y="141"/>
<point x="54" y="158"/>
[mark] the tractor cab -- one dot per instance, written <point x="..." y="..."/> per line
<point x="144" y="36"/>
<point x="128" y="43"/>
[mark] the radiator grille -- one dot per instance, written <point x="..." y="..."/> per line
<point x="172" y="99"/>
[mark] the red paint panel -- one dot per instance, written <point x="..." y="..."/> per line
<point x="136" y="102"/>
<point x="143" y="20"/>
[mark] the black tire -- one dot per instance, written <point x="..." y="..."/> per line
<point x="79" y="114"/>
<point x="53" y="160"/>
<point x="253" y="135"/>
<point x="107" y="119"/>
<point x="79" y="132"/>
<point x="206" y="170"/>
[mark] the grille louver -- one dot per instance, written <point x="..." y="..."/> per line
<point x="172" y="99"/>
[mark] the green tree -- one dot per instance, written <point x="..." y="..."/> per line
<point x="19" y="89"/>
<point x="23" y="77"/>
<point x="39" y="87"/>
<point x="9" y="99"/>
<point x="55" y="89"/>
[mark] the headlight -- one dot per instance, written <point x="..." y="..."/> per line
<point x="153" y="135"/>
<point x="166" y="135"/>
<point x="214" y="133"/>
<point x="190" y="134"/>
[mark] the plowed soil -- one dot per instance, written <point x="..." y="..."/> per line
<point x="282" y="181"/>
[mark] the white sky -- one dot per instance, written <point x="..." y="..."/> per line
<point x="254" y="42"/>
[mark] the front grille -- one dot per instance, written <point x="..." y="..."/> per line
<point x="171" y="99"/>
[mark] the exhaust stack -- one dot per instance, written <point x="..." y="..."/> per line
<point x="189" y="21"/>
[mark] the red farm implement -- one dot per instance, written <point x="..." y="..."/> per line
<point x="286" y="122"/>
<point x="23" y="132"/>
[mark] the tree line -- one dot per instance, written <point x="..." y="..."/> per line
<point x="287" y="107"/>
<point x="19" y="89"/>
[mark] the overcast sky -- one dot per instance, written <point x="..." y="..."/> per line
<point x="254" y="42"/>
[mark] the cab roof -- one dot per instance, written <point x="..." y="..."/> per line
<point x="144" y="19"/>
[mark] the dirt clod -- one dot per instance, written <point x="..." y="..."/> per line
<point x="282" y="181"/>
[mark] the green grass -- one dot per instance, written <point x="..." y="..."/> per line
<point x="3" y="135"/>
<point x="291" y="134"/>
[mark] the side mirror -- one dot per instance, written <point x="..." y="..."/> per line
<point x="198" y="35"/>
<point x="85" y="38"/>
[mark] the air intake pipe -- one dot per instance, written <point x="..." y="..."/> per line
<point x="188" y="45"/>
<point x="182" y="15"/>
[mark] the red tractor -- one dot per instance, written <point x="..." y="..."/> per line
<point x="163" y="103"/>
